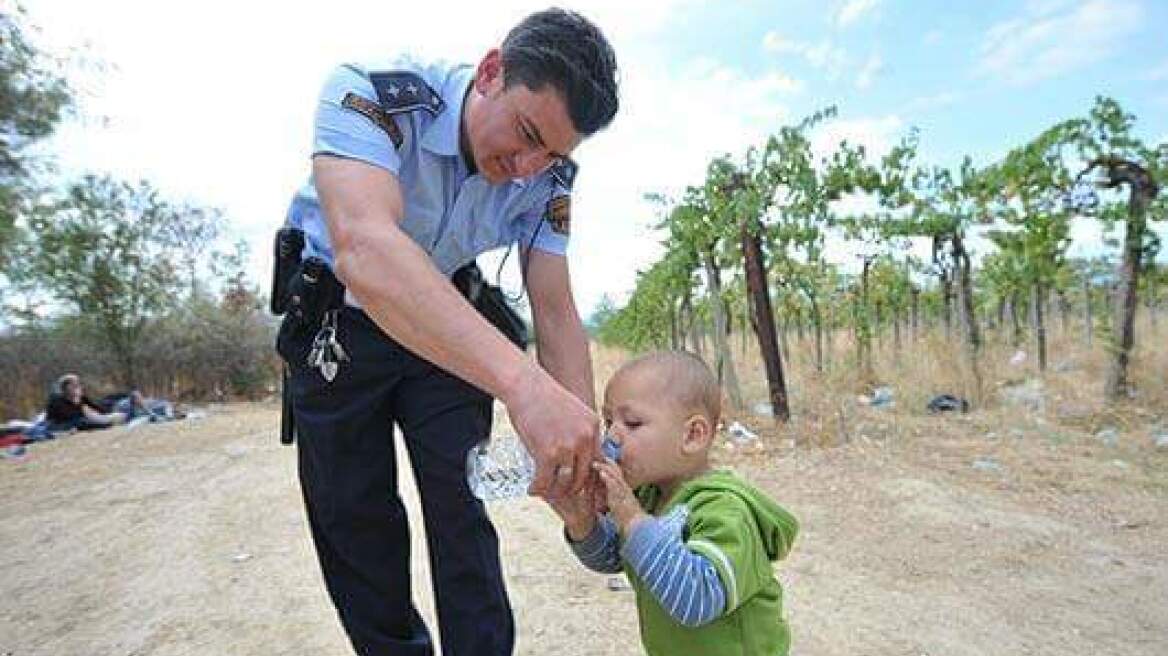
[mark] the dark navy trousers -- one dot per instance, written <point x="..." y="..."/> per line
<point x="348" y="476"/>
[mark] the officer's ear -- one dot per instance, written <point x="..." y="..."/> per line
<point x="489" y="76"/>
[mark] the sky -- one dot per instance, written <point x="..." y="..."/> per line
<point x="212" y="101"/>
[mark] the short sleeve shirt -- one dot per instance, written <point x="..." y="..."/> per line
<point x="452" y="215"/>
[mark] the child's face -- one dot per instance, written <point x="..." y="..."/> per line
<point x="647" y="424"/>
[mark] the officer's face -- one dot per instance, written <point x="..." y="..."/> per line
<point x="515" y="132"/>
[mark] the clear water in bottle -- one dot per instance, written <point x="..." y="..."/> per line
<point x="501" y="468"/>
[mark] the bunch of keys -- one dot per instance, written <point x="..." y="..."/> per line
<point x="327" y="352"/>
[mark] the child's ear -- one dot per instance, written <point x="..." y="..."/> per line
<point x="699" y="433"/>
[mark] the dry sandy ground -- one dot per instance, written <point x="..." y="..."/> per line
<point x="189" y="538"/>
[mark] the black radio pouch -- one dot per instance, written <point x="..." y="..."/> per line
<point x="490" y="301"/>
<point x="286" y="263"/>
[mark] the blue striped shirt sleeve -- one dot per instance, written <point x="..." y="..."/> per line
<point x="600" y="551"/>
<point x="685" y="583"/>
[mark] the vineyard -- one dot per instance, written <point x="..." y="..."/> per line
<point x="759" y="249"/>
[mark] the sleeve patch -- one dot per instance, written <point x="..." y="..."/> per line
<point x="373" y="112"/>
<point x="559" y="214"/>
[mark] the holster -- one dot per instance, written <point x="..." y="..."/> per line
<point x="312" y="291"/>
<point x="492" y="303"/>
<point x="288" y="248"/>
<point x="289" y="245"/>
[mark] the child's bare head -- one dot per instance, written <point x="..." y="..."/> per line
<point x="662" y="411"/>
<point x="681" y="380"/>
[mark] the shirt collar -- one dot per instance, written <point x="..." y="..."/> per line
<point x="442" y="135"/>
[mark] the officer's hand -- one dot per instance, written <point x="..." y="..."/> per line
<point x="561" y="432"/>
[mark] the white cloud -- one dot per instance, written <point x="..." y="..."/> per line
<point x="208" y="102"/>
<point x="854" y="10"/>
<point x="830" y="58"/>
<point x="931" y="102"/>
<point x="932" y="37"/>
<point x="710" y="110"/>
<point x="1053" y="38"/>
<point x="774" y="42"/>
<point x="776" y="82"/>
<point x="869" y="71"/>
<point x="825" y="55"/>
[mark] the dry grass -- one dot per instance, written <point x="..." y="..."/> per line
<point x="1056" y="434"/>
<point x="996" y="531"/>
<point x="824" y="406"/>
<point x="190" y="538"/>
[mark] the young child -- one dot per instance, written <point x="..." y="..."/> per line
<point x="696" y="543"/>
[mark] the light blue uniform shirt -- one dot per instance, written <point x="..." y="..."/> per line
<point x="452" y="215"/>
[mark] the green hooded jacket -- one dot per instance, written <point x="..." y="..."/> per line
<point x="741" y="531"/>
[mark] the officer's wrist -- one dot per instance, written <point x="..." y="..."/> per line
<point x="519" y="381"/>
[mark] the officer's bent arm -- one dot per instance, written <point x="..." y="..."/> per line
<point x="398" y="285"/>
<point x="560" y="335"/>
<point x="404" y="294"/>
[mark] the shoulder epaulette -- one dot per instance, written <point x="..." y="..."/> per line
<point x="405" y="91"/>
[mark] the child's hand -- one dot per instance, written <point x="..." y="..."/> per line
<point x="622" y="503"/>
<point x="578" y="511"/>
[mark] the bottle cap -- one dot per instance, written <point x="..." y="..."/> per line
<point x="610" y="449"/>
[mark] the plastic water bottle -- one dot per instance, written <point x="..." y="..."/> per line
<point x="501" y="468"/>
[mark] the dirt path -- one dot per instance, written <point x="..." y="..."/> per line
<point x="189" y="538"/>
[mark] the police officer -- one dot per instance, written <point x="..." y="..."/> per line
<point x="419" y="166"/>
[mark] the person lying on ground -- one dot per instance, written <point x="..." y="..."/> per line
<point x="134" y="405"/>
<point x="68" y="408"/>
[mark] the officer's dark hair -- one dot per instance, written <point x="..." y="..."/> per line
<point x="565" y="50"/>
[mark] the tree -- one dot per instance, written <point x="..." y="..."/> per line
<point x="942" y="206"/>
<point x="737" y="195"/>
<point x="190" y="231"/>
<point x="238" y="294"/>
<point x="882" y="235"/>
<point x="99" y="251"/>
<point x="33" y="100"/>
<point x="649" y="319"/>
<point x="605" y="310"/>
<point x="1106" y="143"/>
<point x="1039" y="197"/>
<point x="695" y="233"/>
<point x="1005" y="279"/>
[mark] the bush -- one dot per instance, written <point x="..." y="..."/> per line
<point x="205" y="351"/>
